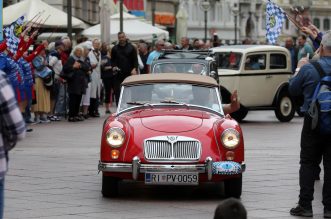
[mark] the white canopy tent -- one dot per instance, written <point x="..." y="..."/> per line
<point x="134" y="28"/>
<point x="30" y="8"/>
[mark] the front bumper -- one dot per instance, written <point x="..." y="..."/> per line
<point x="210" y="168"/>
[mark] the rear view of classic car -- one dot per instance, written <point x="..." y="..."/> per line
<point x="181" y="61"/>
<point x="170" y="129"/>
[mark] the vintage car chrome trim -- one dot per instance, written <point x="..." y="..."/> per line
<point x="136" y="167"/>
<point x="209" y="167"/>
<point x="172" y="148"/>
<point x="243" y="166"/>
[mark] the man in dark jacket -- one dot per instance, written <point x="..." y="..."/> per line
<point x="314" y="144"/>
<point x="124" y="61"/>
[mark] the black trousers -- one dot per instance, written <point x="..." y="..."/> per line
<point x="108" y="85"/>
<point x="314" y="146"/>
<point x="94" y="106"/>
<point x="74" y="104"/>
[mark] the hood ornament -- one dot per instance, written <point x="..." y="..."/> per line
<point x="172" y="139"/>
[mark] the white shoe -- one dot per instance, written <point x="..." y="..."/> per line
<point x="45" y="121"/>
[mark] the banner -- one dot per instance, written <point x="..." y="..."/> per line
<point x="12" y="34"/>
<point x="275" y="18"/>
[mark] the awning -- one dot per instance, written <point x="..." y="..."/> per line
<point x="165" y="18"/>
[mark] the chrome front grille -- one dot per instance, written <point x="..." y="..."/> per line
<point x="172" y="148"/>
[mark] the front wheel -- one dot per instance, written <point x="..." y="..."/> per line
<point x="109" y="186"/>
<point x="284" y="107"/>
<point x="233" y="187"/>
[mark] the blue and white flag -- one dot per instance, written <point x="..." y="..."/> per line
<point x="275" y="19"/>
<point x="12" y="33"/>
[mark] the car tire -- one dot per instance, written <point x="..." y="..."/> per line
<point x="109" y="186"/>
<point x="285" y="107"/>
<point x="233" y="187"/>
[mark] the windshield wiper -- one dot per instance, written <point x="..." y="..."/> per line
<point x="175" y="102"/>
<point x="170" y="101"/>
<point x="136" y="103"/>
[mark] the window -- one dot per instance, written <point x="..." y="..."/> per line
<point x="316" y="22"/>
<point x="278" y="61"/>
<point x="229" y="60"/>
<point x="255" y="62"/>
<point x="326" y="24"/>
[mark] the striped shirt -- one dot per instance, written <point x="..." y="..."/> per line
<point x="11" y="120"/>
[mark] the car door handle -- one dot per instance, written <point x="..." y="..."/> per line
<point x="268" y="76"/>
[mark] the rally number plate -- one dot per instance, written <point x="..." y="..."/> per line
<point x="172" y="178"/>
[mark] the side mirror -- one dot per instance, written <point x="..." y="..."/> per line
<point x="213" y="74"/>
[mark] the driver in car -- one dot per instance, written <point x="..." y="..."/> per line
<point x="202" y="97"/>
<point x="169" y="68"/>
<point x="198" y="69"/>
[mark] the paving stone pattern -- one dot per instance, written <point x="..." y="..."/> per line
<point x="53" y="174"/>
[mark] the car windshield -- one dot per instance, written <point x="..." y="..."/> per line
<point x="194" y="68"/>
<point x="151" y="95"/>
<point x="229" y="60"/>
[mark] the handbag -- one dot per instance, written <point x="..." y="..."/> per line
<point x="47" y="76"/>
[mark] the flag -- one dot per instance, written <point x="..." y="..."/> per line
<point x="275" y="18"/>
<point x="12" y="34"/>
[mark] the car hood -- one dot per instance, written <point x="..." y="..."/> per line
<point x="172" y="120"/>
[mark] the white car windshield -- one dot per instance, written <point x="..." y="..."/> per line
<point x="194" y="68"/>
<point x="170" y="93"/>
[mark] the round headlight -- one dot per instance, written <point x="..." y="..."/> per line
<point x="230" y="138"/>
<point x="115" y="137"/>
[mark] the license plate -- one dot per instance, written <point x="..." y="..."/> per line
<point x="172" y="178"/>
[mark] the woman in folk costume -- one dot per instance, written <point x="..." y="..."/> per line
<point x="95" y="59"/>
<point x="43" y="98"/>
<point x="11" y="68"/>
<point x="18" y="82"/>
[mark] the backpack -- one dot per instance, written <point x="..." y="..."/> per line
<point x="320" y="108"/>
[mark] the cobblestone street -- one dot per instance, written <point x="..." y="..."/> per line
<point x="53" y="174"/>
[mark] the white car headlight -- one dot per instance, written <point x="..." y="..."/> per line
<point x="230" y="138"/>
<point x="115" y="137"/>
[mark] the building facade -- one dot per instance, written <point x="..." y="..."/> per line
<point x="251" y="17"/>
<point x="318" y="11"/>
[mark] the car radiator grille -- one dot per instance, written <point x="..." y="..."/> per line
<point x="174" y="148"/>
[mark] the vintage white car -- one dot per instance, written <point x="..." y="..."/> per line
<point x="260" y="73"/>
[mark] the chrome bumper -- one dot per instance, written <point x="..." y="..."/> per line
<point x="136" y="167"/>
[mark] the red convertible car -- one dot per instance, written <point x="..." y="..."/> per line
<point x="170" y="129"/>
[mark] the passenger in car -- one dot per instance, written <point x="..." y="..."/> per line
<point x="252" y="63"/>
<point x="169" y="68"/>
<point x="198" y="69"/>
<point x="202" y="97"/>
